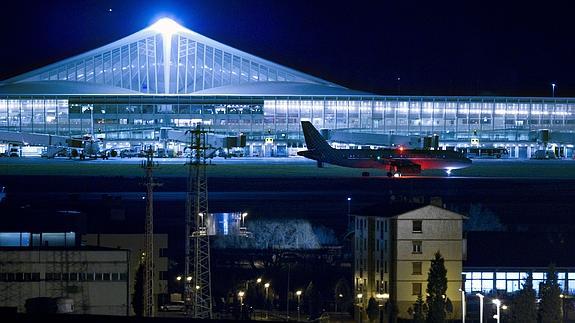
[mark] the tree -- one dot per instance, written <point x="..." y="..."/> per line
<point x="522" y="309"/>
<point x="418" y="311"/>
<point x="550" y="293"/>
<point x="482" y="219"/>
<point x="138" y="296"/>
<point x="436" y="290"/>
<point x="372" y="310"/>
<point x="313" y="300"/>
<point x="343" y="295"/>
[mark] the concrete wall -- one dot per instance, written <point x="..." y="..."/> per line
<point x="30" y="273"/>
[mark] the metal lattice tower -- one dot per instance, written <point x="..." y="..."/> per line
<point x="149" y="165"/>
<point x="198" y="290"/>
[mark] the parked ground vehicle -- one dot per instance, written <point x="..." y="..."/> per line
<point x="177" y="306"/>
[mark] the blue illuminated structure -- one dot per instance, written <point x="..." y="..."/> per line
<point x="167" y="76"/>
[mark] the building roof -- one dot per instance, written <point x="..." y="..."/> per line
<point x="399" y="206"/>
<point x="519" y="249"/>
<point x="283" y="88"/>
<point x="61" y="88"/>
<point x="143" y="60"/>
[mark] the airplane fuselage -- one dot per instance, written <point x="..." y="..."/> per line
<point x="379" y="158"/>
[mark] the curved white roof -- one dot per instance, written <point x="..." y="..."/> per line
<point x="282" y="88"/>
<point x="144" y="62"/>
<point x="61" y="88"/>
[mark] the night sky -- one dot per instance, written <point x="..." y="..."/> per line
<point x="435" y="47"/>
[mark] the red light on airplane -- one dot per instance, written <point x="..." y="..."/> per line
<point x="400" y="148"/>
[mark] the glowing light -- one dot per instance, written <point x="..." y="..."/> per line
<point x="166" y="26"/>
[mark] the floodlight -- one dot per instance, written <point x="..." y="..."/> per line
<point x="166" y="26"/>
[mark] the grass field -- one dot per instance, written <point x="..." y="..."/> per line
<point x="280" y="167"/>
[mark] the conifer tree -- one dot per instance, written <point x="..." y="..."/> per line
<point x="419" y="310"/>
<point x="138" y="296"/>
<point x="523" y="307"/>
<point x="436" y="291"/>
<point x="550" y="306"/>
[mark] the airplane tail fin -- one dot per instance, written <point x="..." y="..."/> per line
<point x="313" y="139"/>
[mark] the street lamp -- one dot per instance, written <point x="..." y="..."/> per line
<point x="359" y="306"/>
<point x="348" y="211"/>
<point x="298" y="293"/>
<point x="259" y="280"/>
<point x="241" y="294"/>
<point x="338" y="300"/>
<point x="480" y="307"/>
<point x="498" y="305"/>
<point x="553" y="85"/>
<point x="244" y="219"/>
<point x="463" y="307"/>
<point x="267" y="286"/>
<point x="383" y="298"/>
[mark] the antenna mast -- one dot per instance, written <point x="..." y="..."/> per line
<point x="198" y="292"/>
<point x="149" y="165"/>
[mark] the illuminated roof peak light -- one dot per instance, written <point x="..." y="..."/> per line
<point x="166" y="26"/>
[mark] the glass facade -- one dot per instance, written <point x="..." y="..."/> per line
<point x="27" y="239"/>
<point x="138" y="117"/>
<point x="175" y="64"/>
<point x="511" y="281"/>
<point x="166" y="69"/>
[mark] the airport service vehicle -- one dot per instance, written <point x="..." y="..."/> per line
<point x="173" y="307"/>
<point x="484" y="152"/>
<point x="397" y="161"/>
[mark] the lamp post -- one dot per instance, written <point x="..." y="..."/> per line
<point x="498" y="305"/>
<point x="244" y="219"/>
<point x="298" y="293"/>
<point x="340" y="296"/>
<point x="463" y="306"/>
<point x="383" y="299"/>
<point x="241" y="295"/>
<point x="348" y="211"/>
<point x="359" y="306"/>
<point x="267" y="286"/>
<point x="553" y="85"/>
<point x="480" y="307"/>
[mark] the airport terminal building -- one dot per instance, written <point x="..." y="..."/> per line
<point x="169" y="77"/>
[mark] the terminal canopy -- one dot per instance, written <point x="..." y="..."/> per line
<point x="167" y="58"/>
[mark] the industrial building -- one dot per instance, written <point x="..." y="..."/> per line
<point x="135" y="243"/>
<point x="90" y="280"/>
<point x="169" y="77"/>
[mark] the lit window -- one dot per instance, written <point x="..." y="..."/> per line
<point x="416" y="266"/>
<point x="417" y="226"/>
<point x="416" y="247"/>
<point x="416" y="289"/>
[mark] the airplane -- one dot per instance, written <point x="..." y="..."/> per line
<point x="397" y="161"/>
